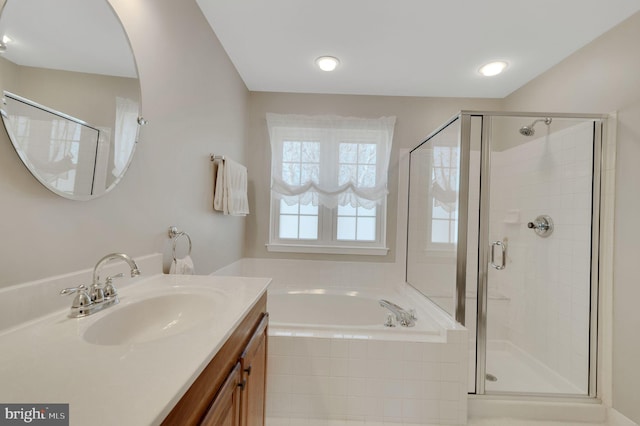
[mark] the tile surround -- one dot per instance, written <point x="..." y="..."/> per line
<point x="360" y="380"/>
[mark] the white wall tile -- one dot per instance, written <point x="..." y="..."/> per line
<point x="369" y="387"/>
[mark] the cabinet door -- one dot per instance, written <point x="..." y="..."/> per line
<point x="254" y="372"/>
<point x="225" y="409"/>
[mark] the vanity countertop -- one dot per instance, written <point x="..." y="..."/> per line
<point x="48" y="360"/>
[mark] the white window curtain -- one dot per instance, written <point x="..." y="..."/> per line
<point x="330" y="160"/>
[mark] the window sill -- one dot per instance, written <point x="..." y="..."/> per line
<point x="299" y="248"/>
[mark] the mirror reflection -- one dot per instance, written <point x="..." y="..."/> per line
<point x="71" y="95"/>
<point x="433" y="216"/>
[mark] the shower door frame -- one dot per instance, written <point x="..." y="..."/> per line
<point x="599" y="122"/>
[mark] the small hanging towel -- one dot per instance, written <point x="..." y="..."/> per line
<point x="230" y="188"/>
<point x="182" y="266"/>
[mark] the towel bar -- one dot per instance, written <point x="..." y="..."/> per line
<point x="175" y="235"/>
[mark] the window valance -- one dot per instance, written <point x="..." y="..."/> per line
<point x="330" y="160"/>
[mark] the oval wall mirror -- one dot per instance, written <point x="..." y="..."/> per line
<point x="70" y="93"/>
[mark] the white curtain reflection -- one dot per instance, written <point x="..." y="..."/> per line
<point x="125" y="133"/>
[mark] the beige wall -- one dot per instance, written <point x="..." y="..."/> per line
<point x="196" y="104"/>
<point x="603" y="77"/>
<point x="416" y="118"/>
<point x="89" y="97"/>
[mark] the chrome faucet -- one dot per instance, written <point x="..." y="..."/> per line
<point x="403" y="317"/>
<point x="98" y="268"/>
<point x="98" y="296"/>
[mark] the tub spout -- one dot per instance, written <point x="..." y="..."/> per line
<point x="405" y="318"/>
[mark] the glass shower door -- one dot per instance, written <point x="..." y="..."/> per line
<point x="537" y="245"/>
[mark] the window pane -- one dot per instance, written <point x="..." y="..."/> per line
<point x="348" y="153"/>
<point x="438" y="212"/>
<point x="367" y="153"/>
<point x="310" y="172"/>
<point x="290" y="151"/>
<point x="347" y="174"/>
<point x="346" y="228"/>
<point x="291" y="173"/>
<point x="287" y="209"/>
<point x="366" y="229"/>
<point x="288" y="226"/>
<point x="310" y="152"/>
<point x="309" y="227"/>
<point x="366" y="176"/>
<point x="309" y="209"/>
<point x="440" y="231"/>
<point x="366" y="212"/>
<point x="346" y="210"/>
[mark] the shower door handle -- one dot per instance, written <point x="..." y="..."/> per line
<point x="503" y="248"/>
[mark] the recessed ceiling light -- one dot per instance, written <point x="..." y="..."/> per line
<point x="327" y="63"/>
<point x="492" y="68"/>
<point x="6" y="39"/>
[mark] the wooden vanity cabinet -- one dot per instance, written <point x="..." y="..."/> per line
<point x="230" y="391"/>
<point x="254" y="370"/>
<point x="225" y="409"/>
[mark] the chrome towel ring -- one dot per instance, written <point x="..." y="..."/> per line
<point x="175" y="235"/>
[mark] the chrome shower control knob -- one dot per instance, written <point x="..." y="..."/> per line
<point x="542" y="226"/>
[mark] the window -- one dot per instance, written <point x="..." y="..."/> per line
<point x="328" y="183"/>
<point x="443" y="197"/>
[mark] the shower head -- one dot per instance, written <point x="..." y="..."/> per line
<point x="529" y="130"/>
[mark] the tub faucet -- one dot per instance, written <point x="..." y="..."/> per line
<point x="405" y="318"/>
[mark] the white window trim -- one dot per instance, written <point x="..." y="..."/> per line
<point x="298" y="248"/>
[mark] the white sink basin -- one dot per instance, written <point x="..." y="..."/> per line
<point x="151" y="319"/>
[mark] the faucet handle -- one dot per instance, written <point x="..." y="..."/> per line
<point x="110" y="279"/>
<point x="109" y="290"/>
<point x="391" y="320"/>
<point x="82" y="298"/>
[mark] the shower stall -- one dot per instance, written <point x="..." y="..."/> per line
<point x="503" y="234"/>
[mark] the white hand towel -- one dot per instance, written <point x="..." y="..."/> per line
<point x="230" y="188"/>
<point x="218" y="185"/>
<point x="182" y="266"/>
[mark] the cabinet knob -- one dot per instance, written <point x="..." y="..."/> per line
<point x="242" y="384"/>
<point x="248" y="370"/>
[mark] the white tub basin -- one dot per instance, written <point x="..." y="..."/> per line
<point x="152" y="318"/>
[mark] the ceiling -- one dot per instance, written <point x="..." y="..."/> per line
<point x="405" y="47"/>
<point x="72" y="35"/>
